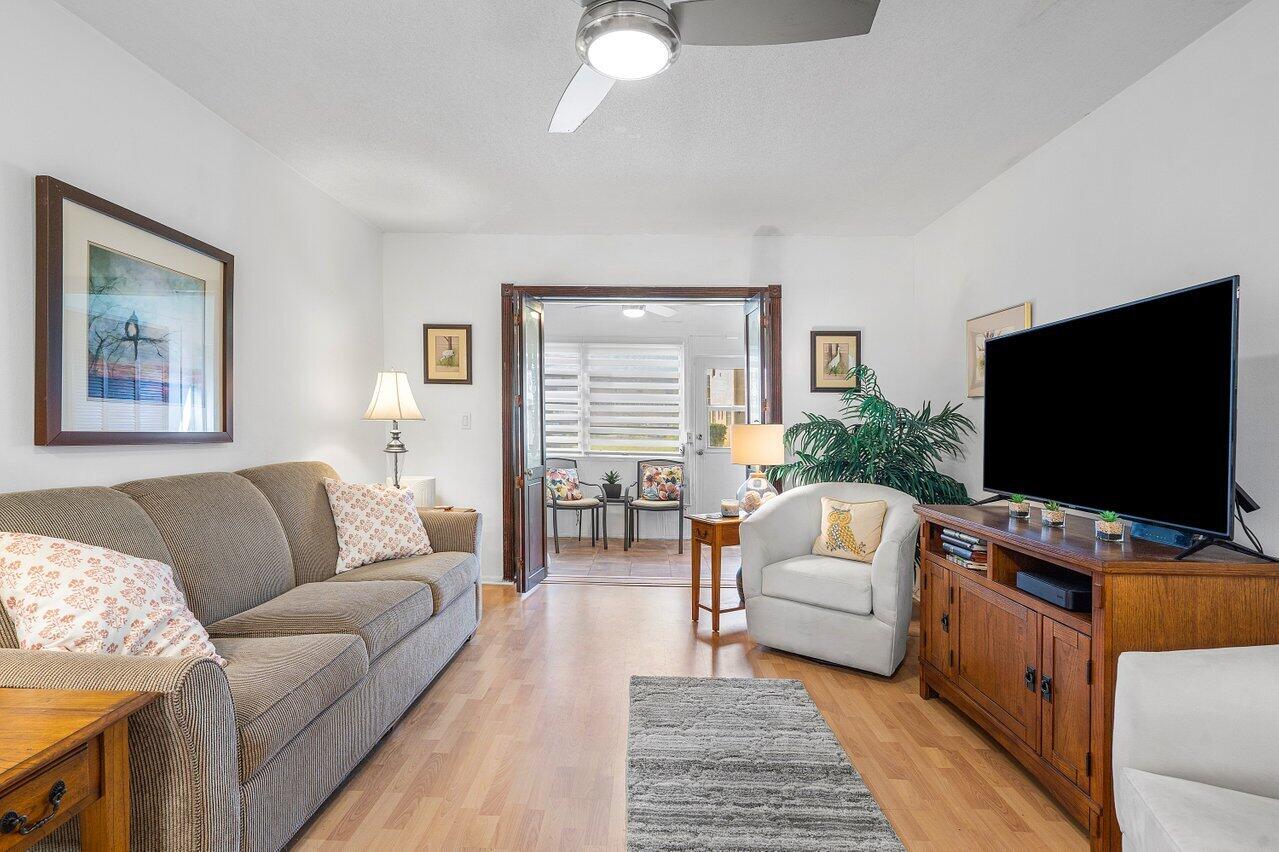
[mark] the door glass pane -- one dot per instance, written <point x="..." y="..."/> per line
<point x="726" y="404"/>
<point x="754" y="366"/>
<point x="532" y="390"/>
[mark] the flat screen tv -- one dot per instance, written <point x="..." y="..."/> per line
<point x="1130" y="409"/>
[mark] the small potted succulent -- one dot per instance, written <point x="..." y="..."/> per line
<point x="612" y="485"/>
<point x="1109" y="527"/>
<point x="1053" y="515"/>
<point x="1018" y="507"/>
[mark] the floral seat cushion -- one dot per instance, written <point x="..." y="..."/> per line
<point x="562" y="484"/>
<point x="662" y="483"/>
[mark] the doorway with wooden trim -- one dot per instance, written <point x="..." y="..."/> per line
<point x="524" y="396"/>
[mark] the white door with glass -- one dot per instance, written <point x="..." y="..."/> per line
<point x="718" y="401"/>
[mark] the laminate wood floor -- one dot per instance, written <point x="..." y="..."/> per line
<point x="521" y="742"/>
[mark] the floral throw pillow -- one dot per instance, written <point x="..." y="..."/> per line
<point x="850" y="530"/>
<point x="67" y="596"/>
<point x="374" y="523"/>
<point x="662" y="483"/>
<point x="562" y="484"/>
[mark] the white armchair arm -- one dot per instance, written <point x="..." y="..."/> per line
<point x="1206" y="715"/>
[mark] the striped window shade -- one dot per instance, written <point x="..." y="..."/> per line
<point x="614" y="398"/>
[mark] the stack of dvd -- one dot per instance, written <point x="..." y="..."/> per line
<point x="964" y="549"/>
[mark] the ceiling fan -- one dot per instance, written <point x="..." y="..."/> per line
<point x="636" y="311"/>
<point x="637" y="39"/>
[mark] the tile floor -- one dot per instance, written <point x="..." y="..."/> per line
<point x="648" y="561"/>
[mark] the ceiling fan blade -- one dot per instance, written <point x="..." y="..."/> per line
<point x="661" y="310"/>
<point x="585" y="92"/>
<point x="746" y="22"/>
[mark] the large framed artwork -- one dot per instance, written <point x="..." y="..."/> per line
<point x="133" y="326"/>
<point x="834" y="354"/>
<point x="980" y="329"/>
<point x="447" y="354"/>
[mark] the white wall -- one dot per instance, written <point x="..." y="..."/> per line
<point x="839" y="282"/>
<point x="308" y="307"/>
<point x="1173" y="182"/>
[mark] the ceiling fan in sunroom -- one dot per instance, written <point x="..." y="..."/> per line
<point x="631" y="40"/>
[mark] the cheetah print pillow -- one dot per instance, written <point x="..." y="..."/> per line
<point x="850" y="530"/>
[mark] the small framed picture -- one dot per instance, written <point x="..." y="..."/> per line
<point x="834" y="355"/>
<point x="447" y="354"/>
<point x="133" y="326"/>
<point x="983" y="328"/>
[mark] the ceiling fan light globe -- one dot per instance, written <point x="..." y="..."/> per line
<point x="627" y="39"/>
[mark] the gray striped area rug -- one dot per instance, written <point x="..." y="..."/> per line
<point x="741" y="764"/>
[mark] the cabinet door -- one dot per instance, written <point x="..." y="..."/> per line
<point x="997" y="646"/>
<point x="1066" y="702"/>
<point x="935" y="619"/>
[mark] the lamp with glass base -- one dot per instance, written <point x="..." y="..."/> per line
<point x="756" y="445"/>
<point x="393" y="401"/>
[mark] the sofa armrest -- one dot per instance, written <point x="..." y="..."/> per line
<point x="1205" y="715"/>
<point x="457" y="532"/>
<point x="184" y="768"/>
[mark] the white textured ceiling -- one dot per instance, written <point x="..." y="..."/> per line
<point x="431" y="115"/>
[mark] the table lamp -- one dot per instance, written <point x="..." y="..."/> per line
<point x="756" y="445"/>
<point x="393" y="401"/>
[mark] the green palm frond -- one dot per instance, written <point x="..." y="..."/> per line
<point x="880" y="443"/>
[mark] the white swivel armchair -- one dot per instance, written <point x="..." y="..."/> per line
<point x="1195" y="755"/>
<point x="851" y="613"/>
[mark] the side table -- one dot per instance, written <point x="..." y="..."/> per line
<point x="66" y="752"/>
<point x="717" y="533"/>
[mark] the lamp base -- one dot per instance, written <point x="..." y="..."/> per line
<point x="755" y="491"/>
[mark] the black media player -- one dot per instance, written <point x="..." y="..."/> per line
<point x="1060" y="587"/>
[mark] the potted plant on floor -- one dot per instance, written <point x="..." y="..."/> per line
<point x="1109" y="527"/>
<point x="612" y="485"/>
<point x="1053" y="515"/>
<point x="1018" y="507"/>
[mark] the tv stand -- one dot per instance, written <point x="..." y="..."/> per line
<point x="1209" y="541"/>
<point x="1040" y="679"/>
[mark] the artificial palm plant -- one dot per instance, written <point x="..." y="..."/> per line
<point x="880" y="443"/>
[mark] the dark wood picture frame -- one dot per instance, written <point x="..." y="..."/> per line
<point x="50" y="193"/>
<point x="813" y="359"/>
<point x="427" y="328"/>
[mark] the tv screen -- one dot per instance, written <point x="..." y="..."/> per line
<point x="1130" y="409"/>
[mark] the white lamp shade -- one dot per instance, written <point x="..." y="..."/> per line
<point x="757" y="443"/>
<point x="392" y="398"/>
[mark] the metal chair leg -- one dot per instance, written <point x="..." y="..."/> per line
<point x="594" y="513"/>
<point x="555" y="527"/>
<point x="579" y="524"/>
<point x="604" y="514"/>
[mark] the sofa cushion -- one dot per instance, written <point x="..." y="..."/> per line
<point x="375" y="523"/>
<point x="448" y="574"/>
<point x="296" y="492"/>
<point x="279" y="685"/>
<point x="381" y="612"/>
<point x="227" y="544"/>
<point x="821" y="581"/>
<point x="1158" y="812"/>
<point x="102" y="517"/>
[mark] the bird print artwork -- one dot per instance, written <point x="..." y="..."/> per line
<point x="839" y="533"/>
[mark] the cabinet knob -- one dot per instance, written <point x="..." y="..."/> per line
<point x="945" y="621"/>
<point x="1046" y="688"/>
<point x="1030" y="678"/>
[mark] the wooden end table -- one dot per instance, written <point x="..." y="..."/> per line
<point x="63" y="753"/>
<point x="717" y="533"/>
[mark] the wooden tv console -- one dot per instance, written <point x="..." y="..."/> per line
<point x="1041" y="679"/>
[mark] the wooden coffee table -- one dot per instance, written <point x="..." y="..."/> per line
<point x="63" y="753"/>
<point x="717" y="533"/>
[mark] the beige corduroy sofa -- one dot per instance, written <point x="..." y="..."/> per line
<point x="319" y="666"/>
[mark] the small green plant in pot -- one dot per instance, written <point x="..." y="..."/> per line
<point x="613" y="484"/>
<point x="1018" y="507"/>
<point x="1109" y="527"/>
<point x="1053" y="515"/>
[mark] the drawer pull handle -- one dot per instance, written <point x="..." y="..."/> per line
<point x="12" y="821"/>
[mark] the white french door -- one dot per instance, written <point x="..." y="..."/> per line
<point x="718" y="399"/>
